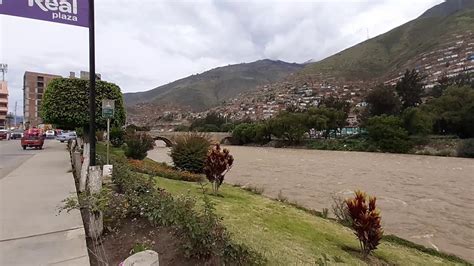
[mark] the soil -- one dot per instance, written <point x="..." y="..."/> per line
<point x="118" y="245"/>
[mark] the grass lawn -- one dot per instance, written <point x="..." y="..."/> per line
<point x="286" y="235"/>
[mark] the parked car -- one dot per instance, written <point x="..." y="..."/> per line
<point x="66" y="136"/>
<point x="50" y="134"/>
<point x="32" y="138"/>
<point x="4" y="134"/>
<point x="16" y="135"/>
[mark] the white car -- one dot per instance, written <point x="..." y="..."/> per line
<point x="50" y="134"/>
<point x="66" y="136"/>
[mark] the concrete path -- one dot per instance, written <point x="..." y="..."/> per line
<point x="31" y="230"/>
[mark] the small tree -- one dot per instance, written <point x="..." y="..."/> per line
<point x="366" y="221"/>
<point x="66" y="101"/>
<point x="387" y="133"/>
<point x="410" y="88"/>
<point x="218" y="164"/>
<point x="417" y="122"/>
<point x="289" y="126"/>
<point x="189" y="152"/>
<point x="382" y="100"/>
<point x="138" y="145"/>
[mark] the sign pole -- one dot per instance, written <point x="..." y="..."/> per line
<point x="108" y="138"/>
<point x="92" y="104"/>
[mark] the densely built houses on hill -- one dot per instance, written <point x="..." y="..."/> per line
<point x="455" y="56"/>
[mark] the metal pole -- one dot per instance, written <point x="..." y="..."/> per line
<point x="108" y="139"/>
<point x="14" y="119"/>
<point x="92" y="103"/>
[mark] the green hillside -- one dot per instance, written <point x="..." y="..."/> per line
<point x="388" y="52"/>
<point x="202" y="91"/>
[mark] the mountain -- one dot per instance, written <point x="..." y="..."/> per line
<point x="388" y="53"/>
<point x="202" y="91"/>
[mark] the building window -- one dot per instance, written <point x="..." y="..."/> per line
<point x="40" y="90"/>
<point x="40" y="78"/>
<point x="40" y="84"/>
<point x="40" y="96"/>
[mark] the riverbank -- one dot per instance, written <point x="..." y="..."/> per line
<point x="423" y="198"/>
<point x="283" y="233"/>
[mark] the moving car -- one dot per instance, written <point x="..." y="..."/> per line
<point x="32" y="138"/>
<point x="66" y="136"/>
<point x="50" y="134"/>
<point x="16" y="135"/>
<point x="4" y="134"/>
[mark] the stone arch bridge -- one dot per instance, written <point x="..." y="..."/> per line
<point x="170" y="137"/>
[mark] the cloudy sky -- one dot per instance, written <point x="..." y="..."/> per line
<point x="146" y="43"/>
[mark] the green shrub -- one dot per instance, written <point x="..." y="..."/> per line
<point x="138" y="145"/>
<point x="190" y="151"/>
<point x="348" y="144"/>
<point x="227" y="127"/>
<point x="387" y="133"/>
<point x="117" y="136"/>
<point x="244" y="133"/>
<point x="466" y="148"/>
<point x="417" y="122"/>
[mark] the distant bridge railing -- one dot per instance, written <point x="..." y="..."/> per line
<point x="170" y="137"/>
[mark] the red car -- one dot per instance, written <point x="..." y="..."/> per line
<point x="32" y="138"/>
<point x="3" y="134"/>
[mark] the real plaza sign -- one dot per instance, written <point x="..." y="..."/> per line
<point x="72" y="12"/>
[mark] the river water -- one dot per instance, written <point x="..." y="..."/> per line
<point x="425" y="199"/>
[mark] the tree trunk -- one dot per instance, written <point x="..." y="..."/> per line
<point x="94" y="186"/>
<point x="85" y="167"/>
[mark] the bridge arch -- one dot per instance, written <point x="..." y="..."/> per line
<point x="167" y="141"/>
<point x="226" y="140"/>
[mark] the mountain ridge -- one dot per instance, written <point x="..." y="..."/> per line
<point x="201" y="91"/>
<point x="378" y="57"/>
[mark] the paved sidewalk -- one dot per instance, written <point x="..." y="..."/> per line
<point x="31" y="230"/>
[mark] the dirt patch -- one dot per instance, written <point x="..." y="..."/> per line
<point x="119" y="244"/>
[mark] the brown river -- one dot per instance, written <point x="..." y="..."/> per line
<point x="425" y="199"/>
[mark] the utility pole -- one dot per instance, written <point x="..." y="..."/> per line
<point x="92" y="94"/>
<point x="14" y="119"/>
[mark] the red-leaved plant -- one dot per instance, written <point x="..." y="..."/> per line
<point x="218" y="163"/>
<point x="366" y="221"/>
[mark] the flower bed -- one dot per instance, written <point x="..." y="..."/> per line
<point x="161" y="169"/>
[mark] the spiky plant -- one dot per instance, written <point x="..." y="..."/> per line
<point x="218" y="163"/>
<point x="366" y="221"/>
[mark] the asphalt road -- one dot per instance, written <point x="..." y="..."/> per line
<point x="13" y="156"/>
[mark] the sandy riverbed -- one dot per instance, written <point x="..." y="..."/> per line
<point x="428" y="200"/>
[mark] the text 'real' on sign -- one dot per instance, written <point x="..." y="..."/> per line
<point x="72" y="12"/>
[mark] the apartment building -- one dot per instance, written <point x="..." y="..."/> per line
<point x="3" y="102"/>
<point x="34" y="85"/>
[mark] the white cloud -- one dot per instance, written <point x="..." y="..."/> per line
<point x="143" y="44"/>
